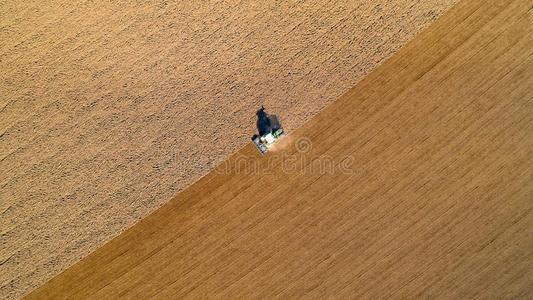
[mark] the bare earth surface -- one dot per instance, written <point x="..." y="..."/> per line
<point x="430" y="195"/>
<point x="108" y="109"/>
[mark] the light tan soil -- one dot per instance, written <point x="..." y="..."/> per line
<point x="107" y="110"/>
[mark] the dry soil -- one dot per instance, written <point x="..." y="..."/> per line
<point x="430" y="194"/>
<point x="108" y="109"/>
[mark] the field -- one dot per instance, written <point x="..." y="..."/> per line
<point x="416" y="183"/>
<point x="107" y="110"/>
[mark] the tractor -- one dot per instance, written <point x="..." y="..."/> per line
<point x="269" y="130"/>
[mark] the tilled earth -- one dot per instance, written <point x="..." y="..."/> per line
<point x="107" y="110"/>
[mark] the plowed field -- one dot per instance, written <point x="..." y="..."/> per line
<point x="417" y="183"/>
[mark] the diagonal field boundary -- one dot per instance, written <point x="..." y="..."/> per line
<point x="417" y="182"/>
